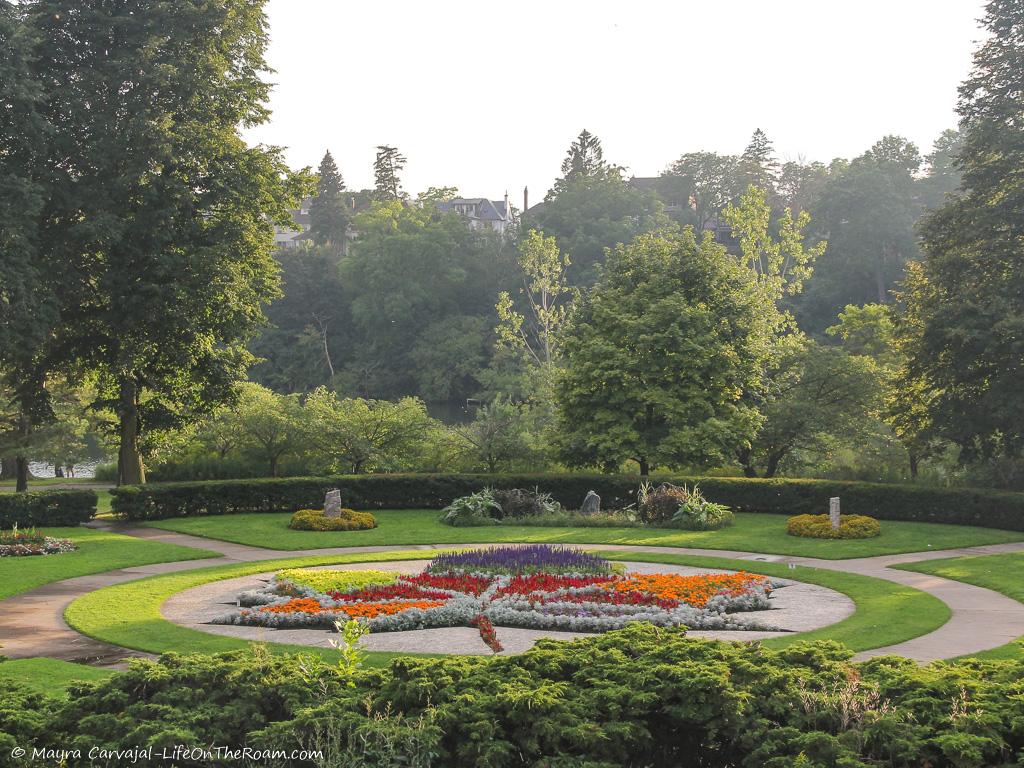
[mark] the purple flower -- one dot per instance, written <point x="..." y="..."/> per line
<point x="517" y="560"/>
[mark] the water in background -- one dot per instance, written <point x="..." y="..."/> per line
<point x="83" y="470"/>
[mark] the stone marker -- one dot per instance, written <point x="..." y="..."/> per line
<point x="591" y="504"/>
<point x="833" y="512"/>
<point x="332" y="503"/>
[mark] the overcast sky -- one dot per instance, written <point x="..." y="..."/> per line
<point x="487" y="96"/>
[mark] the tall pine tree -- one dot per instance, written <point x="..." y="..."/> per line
<point x="329" y="212"/>
<point x="963" y="325"/>
<point x="758" y="165"/>
<point x="386" y="169"/>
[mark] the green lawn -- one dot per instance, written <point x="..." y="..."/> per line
<point x="129" y="614"/>
<point x="50" y="676"/>
<point x="46" y="483"/>
<point x="751" y="533"/>
<point x="1000" y="573"/>
<point x="98" y="551"/>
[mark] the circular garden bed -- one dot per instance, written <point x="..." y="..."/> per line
<point x="504" y="598"/>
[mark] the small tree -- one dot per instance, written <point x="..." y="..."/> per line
<point x="546" y="293"/>
<point x="357" y="435"/>
<point x="821" y="397"/>
<point x="268" y="423"/>
<point x="499" y="436"/>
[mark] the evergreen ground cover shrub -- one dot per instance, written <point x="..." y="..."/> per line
<point x="47" y="508"/>
<point x="317" y="520"/>
<point x="641" y="696"/>
<point x="820" y="527"/>
<point x="962" y="506"/>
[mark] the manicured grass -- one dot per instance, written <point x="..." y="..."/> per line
<point x="1000" y="573"/>
<point x="98" y="551"/>
<point x="887" y="613"/>
<point x="50" y="676"/>
<point x="751" y="533"/>
<point x="43" y="483"/>
<point x="129" y="614"/>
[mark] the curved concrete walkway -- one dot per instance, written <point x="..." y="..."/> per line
<point x="33" y="622"/>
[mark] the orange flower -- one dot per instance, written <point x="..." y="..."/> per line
<point x="692" y="590"/>
<point x="353" y="610"/>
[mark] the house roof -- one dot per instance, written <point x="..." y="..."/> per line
<point x="485" y="210"/>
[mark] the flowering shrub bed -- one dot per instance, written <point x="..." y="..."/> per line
<point x="15" y="543"/>
<point x="542" y="587"/>
<point x="820" y="527"/>
<point x="347" y="520"/>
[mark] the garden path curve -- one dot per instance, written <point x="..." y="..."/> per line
<point x="33" y="622"/>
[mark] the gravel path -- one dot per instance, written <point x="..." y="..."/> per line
<point x="33" y="623"/>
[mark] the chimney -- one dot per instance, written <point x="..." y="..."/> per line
<point x="526" y="199"/>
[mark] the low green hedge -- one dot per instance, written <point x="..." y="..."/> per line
<point x="961" y="506"/>
<point x="640" y="696"/>
<point x="47" y="508"/>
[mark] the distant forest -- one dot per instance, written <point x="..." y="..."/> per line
<point x="399" y="299"/>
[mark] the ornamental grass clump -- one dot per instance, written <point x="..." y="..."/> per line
<point x="820" y="527"/>
<point x="517" y="560"/>
<point x="677" y="506"/>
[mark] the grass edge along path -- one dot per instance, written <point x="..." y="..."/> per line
<point x="98" y="552"/>
<point x="751" y="532"/>
<point x="1002" y="573"/>
<point x="128" y="614"/>
<point x="51" y="677"/>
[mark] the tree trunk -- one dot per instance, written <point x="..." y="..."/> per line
<point x="273" y="465"/>
<point x="645" y="468"/>
<point x="58" y="470"/>
<point x="773" y="464"/>
<point x="913" y="466"/>
<point x="21" y="484"/>
<point x="129" y="458"/>
<point x="8" y="468"/>
<point x="746" y="460"/>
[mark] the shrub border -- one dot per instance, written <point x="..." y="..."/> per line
<point x="56" y="508"/>
<point x="789" y="496"/>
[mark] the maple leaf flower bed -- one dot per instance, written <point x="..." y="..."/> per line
<point x="539" y="587"/>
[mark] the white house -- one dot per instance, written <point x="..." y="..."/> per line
<point x="483" y="214"/>
<point x="294" y="236"/>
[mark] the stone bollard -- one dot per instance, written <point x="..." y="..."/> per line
<point x="833" y="512"/>
<point x="332" y="503"/>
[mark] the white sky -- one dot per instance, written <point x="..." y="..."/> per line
<point x="487" y="96"/>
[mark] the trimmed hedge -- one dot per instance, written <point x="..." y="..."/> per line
<point x="47" y="508"/>
<point x="959" y="506"/>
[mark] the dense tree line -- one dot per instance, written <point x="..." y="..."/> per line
<point x="736" y="311"/>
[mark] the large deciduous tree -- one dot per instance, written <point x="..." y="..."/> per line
<point x="28" y="280"/>
<point x="963" y="325"/>
<point x="659" y="354"/>
<point x="164" y="214"/>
